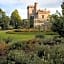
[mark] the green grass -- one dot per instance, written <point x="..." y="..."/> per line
<point x="21" y="36"/>
<point x="16" y="37"/>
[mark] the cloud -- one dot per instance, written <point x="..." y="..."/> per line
<point x="21" y="5"/>
<point x="22" y="13"/>
<point x="4" y="2"/>
<point x="53" y="10"/>
<point x="50" y="3"/>
<point x="42" y="2"/>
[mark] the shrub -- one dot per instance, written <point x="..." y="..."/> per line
<point x="3" y="49"/>
<point x="40" y="36"/>
<point x="7" y="40"/>
<point x="51" y="33"/>
<point x="58" y="39"/>
<point x="16" y="45"/>
<point x="17" y="30"/>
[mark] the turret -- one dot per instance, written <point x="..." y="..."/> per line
<point x="30" y="11"/>
<point x="35" y="7"/>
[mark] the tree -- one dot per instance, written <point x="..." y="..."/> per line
<point x="15" y="19"/>
<point x="58" y="24"/>
<point x="25" y="23"/>
<point x="4" y="20"/>
<point x="62" y="6"/>
<point x="5" y="23"/>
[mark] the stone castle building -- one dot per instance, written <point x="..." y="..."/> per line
<point x="40" y="16"/>
<point x="32" y="10"/>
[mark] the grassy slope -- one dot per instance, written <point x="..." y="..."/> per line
<point x="22" y="36"/>
<point x="4" y="35"/>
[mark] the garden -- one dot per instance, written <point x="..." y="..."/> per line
<point x="37" y="50"/>
<point x="20" y="36"/>
<point x="20" y="44"/>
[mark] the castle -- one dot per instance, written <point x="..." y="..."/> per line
<point x="40" y="16"/>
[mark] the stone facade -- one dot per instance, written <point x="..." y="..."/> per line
<point x="39" y="15"/>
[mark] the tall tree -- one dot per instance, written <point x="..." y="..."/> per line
<point x="58" y="24"/>
<point x="62" y="6"/>
<point x="15" y="19"/>
<point x="4" y="20"/>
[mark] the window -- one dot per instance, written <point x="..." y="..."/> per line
<point x="42" y="16"/>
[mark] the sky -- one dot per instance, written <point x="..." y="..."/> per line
<point x="21" y="5"/>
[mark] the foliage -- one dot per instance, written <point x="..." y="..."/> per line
<point x="62" y="6"/>
<point x="58" y="24"/>
<point x="3" y="49"/>
<point x="15" y="19"/>
<point x="38" y="50"/>
<point x="25" y="23"/>
<point x="51" y="33"/>
<point x="7" y="40"/>
<point x="34" y="51"/>
<point x="4" y="20"/>
<point x="39" y="36"/>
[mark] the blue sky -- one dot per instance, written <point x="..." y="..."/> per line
<point x="9" y="5"/>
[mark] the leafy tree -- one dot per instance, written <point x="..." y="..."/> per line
<point x="15" y="19"/>
<point x="25" y="23"/>
<point x="58" y="23"/>
<point x="62" y="6"/>
<point x="5" y="23"/>
<point x="4" y="20"/>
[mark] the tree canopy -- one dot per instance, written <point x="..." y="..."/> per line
<point x="58" y="22"/>
<point x="4" y="20"/>
<point x="15" y="19"/>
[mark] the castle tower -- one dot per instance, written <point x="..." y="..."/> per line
<point x="30" y="10"/>
<point x="35" y="7"/>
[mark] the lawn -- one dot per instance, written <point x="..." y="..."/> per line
<point x="21" y="36"/>
<point x="16" y="37"/>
